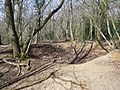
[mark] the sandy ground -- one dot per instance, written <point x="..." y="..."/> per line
<point x="99" y="74"/>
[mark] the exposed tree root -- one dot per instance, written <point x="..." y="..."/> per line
<point x="83" y="86"/>
<point x="19" y="65"/>
<point x="39" y="69"/>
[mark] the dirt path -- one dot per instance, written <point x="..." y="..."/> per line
<point x="99" y="74"/>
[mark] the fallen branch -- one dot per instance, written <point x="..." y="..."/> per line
<point x="50" y="75"/>
<point x="79" y="51"/>
<point x="102" y="46"/>
<point x="39" y="69"/>
<point x="87" y="52"/>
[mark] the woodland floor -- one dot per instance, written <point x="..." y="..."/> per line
<point x="40" y="54"/>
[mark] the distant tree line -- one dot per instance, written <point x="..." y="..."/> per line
<point x="35" y="21"/>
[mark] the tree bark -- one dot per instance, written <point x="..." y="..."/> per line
<point x="11" y="27"/>
<point x="71" y="22"/>
<point x="0" y="40"/>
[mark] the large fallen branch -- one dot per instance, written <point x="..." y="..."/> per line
<point x="39" y="69"/>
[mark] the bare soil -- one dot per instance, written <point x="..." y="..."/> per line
<point x="44" y="57"/>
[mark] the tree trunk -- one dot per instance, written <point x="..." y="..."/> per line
<point x="91" y="29"/>
<point x="0" y="40"/>
<point x="11" y="27"/>
<point x="71" y="22"/>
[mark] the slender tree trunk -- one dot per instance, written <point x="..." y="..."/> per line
<point x="11" y="26"/>
<point x="91" y="29"/>
<point x="19" y="27"/>
<point x="0" y="40"/>
<point x="71" y="22"/>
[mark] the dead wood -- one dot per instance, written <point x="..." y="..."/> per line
<point x="86" y="54"/>
<point x="52" y="74"/>
<point x="102" y="46"/>
<point x="39" y="69"/>
<point x="18" y="65"/>
<point x="79" y="51"/>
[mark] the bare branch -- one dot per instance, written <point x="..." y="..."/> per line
<point x="87" y="52"/>
<point x="77" y="52"/>
<point x="49" y="16"/>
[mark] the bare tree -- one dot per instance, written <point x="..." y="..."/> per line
<point x="17" y="51"/>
